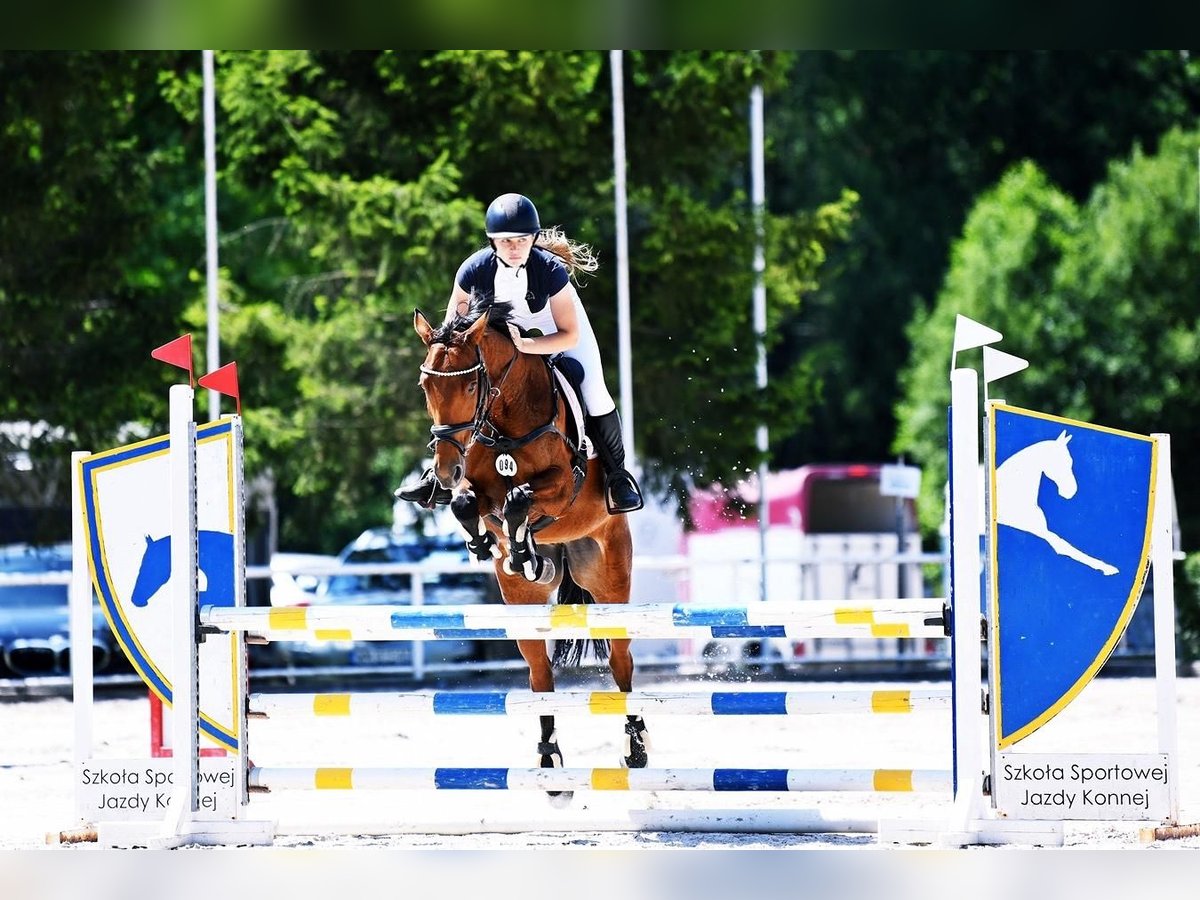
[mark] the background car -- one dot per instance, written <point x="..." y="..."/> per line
<point x="35" y="618"/>
<point x="295" y="577"/>
<point x="386" y="545"/>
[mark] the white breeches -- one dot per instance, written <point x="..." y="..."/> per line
<point x="595" y="394"/>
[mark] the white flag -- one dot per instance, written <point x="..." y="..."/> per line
<point x="968" y="333"/>
<point x="997" y="364"/>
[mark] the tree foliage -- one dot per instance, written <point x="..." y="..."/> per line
<point x="1100" y="298"/>
<point x="351" y="184"/>
<point x="920" y="135"/>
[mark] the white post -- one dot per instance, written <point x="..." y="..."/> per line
<point x="210" y="229"/>
<point x="623" y="326"/>
<point x="965" y="598"/>
<point x="758" y="200"/>
<point x="1163" y="552"/>
<point x="241" y="672"/>
<point x="182" y="592"/>
<point x="418" y="646"/>
<point x="81" y="625"/>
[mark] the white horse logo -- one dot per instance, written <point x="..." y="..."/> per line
<point x="1018" y="479"/>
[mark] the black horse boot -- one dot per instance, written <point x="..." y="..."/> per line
<point x="425" y="491"/>
<point x="621" y="491"/>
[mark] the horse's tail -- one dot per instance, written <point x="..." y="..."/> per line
<point x="569" y="653"/>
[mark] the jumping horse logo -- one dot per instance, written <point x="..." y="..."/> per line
<point x="1084" y="492"/>
<point x="1018" y="481"/>
<point x="214" y="560"/>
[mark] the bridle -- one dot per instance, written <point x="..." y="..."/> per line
<point x="483" y="429"/>
<point x="446" y="432"/>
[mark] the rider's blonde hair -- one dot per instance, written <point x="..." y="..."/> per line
<point x="577" y="257"/>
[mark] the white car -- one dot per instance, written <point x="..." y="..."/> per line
<point x="295" y="577"/>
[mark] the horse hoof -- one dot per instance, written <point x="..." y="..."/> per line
<point x="507" y="566"/>
<point x="637" y="745"/>
<point x="560" y="799"/>
<point x="546" y="575"/>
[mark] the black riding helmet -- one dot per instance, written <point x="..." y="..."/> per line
<point x="511" y="215"/>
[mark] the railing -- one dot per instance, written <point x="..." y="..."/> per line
<point x="683" y="656"/>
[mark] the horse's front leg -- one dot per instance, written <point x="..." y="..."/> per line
<point x="523" y="558"/>
<point x="480" y="541"/>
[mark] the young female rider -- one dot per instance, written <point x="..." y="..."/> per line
<point x="530" y="269"/>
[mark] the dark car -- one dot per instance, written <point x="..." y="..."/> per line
<point x="384" y="545"/>
<point x="35" y="618"/>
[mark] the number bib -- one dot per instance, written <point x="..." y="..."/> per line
<point x="506" y="465"/>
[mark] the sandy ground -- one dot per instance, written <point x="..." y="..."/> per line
<point x="1114" y="715"/>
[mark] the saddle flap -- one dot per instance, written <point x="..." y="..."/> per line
<point x="569" y="373"/>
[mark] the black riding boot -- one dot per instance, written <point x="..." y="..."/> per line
<point x="424" y="491"/>
<point x="621" y="492"/>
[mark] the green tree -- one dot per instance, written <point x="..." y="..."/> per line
<point x="98" y="230"/>
<point x="354" y="183"/>
<point x="919" y="135"/>
<point x="1099" y="298"/>
<point x="351" y="184"/>
<point x="1002" y="273"/>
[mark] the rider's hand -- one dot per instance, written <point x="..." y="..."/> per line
<point x="515" y="334"/>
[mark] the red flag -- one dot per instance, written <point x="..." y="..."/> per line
<point x="177" y="353"/>
<point x="224" y="381"/>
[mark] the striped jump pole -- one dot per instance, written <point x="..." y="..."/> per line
<point x="920" y="618"/>
<point x="600" y="779"/>
<point x="523" y="702"/>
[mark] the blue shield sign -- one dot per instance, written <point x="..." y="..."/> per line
<point x="1069" y="524"/>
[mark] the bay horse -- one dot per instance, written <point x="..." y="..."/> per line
<point x="500" y="444"/>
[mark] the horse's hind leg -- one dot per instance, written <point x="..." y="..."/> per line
<point x="541" y="679"/>
<point x="603" y="568"/>
<point x="637" y="739"/>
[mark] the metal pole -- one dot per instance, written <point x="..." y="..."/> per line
<point x="623" y="339"/>
<point x="185" y="676"/>
<point x="210" y="228"/>
<point x="81" y="627"/>
<point x="758" y="199"/>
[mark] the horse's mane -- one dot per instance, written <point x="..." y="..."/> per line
<point x="498" y="315"/>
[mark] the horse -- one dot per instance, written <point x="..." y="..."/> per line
<point x="1018" y="480"/>
<point x="500" y="445"/>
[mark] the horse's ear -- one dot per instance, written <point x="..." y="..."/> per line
<point x="1064" y="437"/>
<point x="422" y="326"/>
<point x="474" y="334"/>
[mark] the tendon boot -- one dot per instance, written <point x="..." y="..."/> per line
<point x="425" y="491"/>
<point x="621" y="491"/>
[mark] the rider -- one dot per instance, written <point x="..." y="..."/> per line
<point x="531" y="268"/>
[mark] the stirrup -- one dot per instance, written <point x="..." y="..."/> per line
<point x="631" y="504"/>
